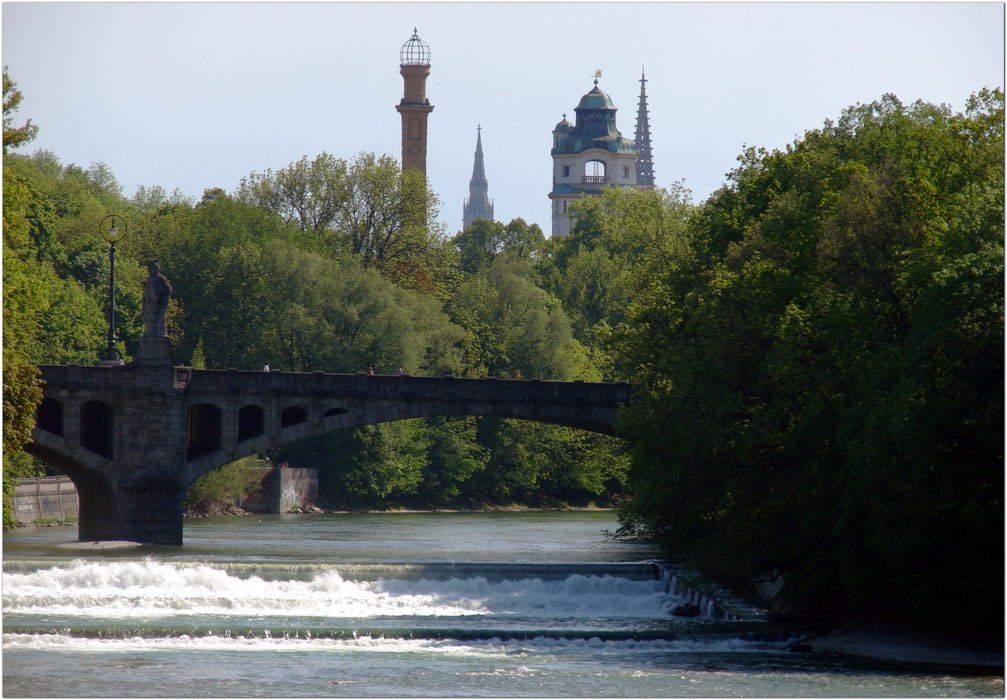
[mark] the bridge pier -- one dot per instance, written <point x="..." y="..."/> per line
<point x="98" y="516"/>
<point x="152" y="508"/>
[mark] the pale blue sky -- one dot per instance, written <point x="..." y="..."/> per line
<point x="197" y="95"/>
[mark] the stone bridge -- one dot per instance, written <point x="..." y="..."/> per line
<point x="133" y="438"/>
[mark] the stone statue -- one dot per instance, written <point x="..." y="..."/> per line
<point x="156" y="292"/>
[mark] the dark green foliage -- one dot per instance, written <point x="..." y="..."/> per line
<point x="822" y="371"/>
<point x="480" y="244"/>
<point x="456" y="462"/>
<point x="227" y="485"/>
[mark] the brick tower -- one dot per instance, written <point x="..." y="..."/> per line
<point x="414" y="66"/>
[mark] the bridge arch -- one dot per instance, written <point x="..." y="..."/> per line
<point x="97" y="428"/>
<point x="251" y="422"/>
<point x="49" y="416"/>
<point x="205" y="430"/>
<point x="292" y="415"/>
<point x="361" y="413"/>
<point x="99" y="515"/>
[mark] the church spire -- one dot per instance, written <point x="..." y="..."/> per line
<point x="478" y="205"/>
<point x="645" y="159"/>
<point x="478" y="167"/>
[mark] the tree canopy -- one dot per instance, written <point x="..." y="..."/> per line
<point x="821" y="370"/>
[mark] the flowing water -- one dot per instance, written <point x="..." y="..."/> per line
<point x="435" y="604"/>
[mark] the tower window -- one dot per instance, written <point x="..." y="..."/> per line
<point x="625" y="171"/>
<point x="566" y="171"/>
<point x="594" y="172"/>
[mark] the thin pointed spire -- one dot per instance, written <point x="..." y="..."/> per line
<point x="478" y="205"/>
<point x="645" y="159"/>
<point x="478" y="167"/>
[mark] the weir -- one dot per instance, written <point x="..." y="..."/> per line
<point x="133" y="438"/>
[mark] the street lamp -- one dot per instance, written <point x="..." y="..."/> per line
<point x="113" y="228"/>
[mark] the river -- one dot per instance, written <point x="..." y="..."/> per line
<point x="392" y="605"/>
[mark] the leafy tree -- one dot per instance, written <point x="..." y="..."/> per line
<point x="367" y="208"/>
<point x="821" y="371"/>
<point x="522" y="327"/>
<point x="23" y="302"/>
<point x="523" y="241"/>
<point x="479" y="244"/>
<point x="153" y="199"/>
<point x="213" y="257"/>
<point x="455" y="461"/>
<point x="603" y="263"/>
<point x="390" y="461"/>
<point x="309" y="194"/>
<point x="14" y="136"/>
<point x="543" y="464"/>
<point x="338" y="316"/>
<point x="228" y="484"/>
<point x="484" y="240"/>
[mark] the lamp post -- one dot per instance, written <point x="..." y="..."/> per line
<point x="113" y="228"/>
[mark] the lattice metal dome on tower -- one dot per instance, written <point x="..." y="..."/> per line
<point x="415" y="52"/>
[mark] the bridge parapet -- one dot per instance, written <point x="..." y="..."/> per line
<point x="405" y="387"/>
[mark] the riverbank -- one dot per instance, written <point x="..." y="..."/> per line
<point x="226" y="509"/>
<point x="903" y="645"/>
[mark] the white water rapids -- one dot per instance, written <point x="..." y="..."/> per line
<point x="153" y="589"/>
<point x="397" y="605"/>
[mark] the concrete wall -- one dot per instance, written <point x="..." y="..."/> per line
<point x="294" y="488"/>
<point x="283" y="490"/>
<point x="45" y="498"/>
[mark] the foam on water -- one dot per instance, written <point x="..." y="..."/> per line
<point x="365" y="643"/>
<point x="153" y="589"/>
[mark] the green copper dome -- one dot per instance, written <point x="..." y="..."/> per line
<point x="596" y="99"/>
<point x="595" y="127"/>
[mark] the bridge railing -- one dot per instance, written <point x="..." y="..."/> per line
<point x="406" y="387"/>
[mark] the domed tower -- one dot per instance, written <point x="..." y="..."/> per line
<point x="414" y="66"/>
<point x="588" y="156"/>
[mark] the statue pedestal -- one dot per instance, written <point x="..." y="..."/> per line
<point x="155" y="352"/>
